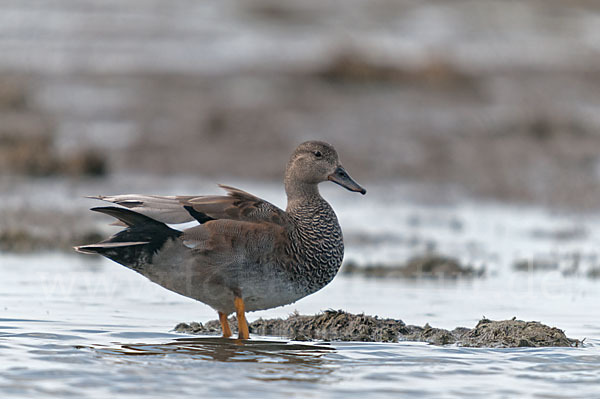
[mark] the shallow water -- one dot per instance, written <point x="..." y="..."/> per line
<point x="76" y="326"/>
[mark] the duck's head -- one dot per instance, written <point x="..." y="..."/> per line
<point x="314" y="162"/>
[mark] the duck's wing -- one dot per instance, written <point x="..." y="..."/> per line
<point x="237" y="205"/>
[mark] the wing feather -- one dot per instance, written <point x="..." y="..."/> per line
<point x="237" y="205"/>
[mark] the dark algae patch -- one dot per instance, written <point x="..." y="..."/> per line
<point x="341" y="326"/>
<point x="425" y="266"/>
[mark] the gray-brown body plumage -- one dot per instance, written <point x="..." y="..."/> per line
<point x="243" y="246"/>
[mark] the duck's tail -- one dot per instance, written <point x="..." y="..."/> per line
<point x="134" y="246"/>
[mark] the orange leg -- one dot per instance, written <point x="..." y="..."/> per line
<point x="241" y="318"/>
<point x="224" y="325"/>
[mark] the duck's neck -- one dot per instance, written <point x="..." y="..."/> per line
<point x="299" y="194"/>
<point x="316" y="240"/>
<point x="314" y="220"/>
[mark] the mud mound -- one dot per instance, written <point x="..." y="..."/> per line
<point x="341" y="326"/>
<point x="594" y="272"/>
<point x="332" y="326"/>
<point x="328" y="326"/>
<point x="515" y="333"/>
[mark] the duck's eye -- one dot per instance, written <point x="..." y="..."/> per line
<point x="318" y="154"/>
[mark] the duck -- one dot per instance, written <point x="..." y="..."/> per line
<point x="243" y="253"/>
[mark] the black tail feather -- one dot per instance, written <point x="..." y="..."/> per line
<point x="134" y="246"/>
<point x="129" y="217"/>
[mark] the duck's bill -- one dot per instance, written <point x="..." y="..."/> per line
<point x="341" y="177"/>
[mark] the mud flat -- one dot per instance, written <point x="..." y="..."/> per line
<point x="341" y="326"/>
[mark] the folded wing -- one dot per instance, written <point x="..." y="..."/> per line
<point x="237" y="205"/>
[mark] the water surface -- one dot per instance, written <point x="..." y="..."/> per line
<point x="75" y="326"/>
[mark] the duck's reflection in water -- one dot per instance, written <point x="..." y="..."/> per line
<point x="279" y="360"/>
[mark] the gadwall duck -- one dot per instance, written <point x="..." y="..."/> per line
<point x="245" y="254"/>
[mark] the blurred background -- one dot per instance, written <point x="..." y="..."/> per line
<point x="473" y="124"/>
<point x="476" y="99"/>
